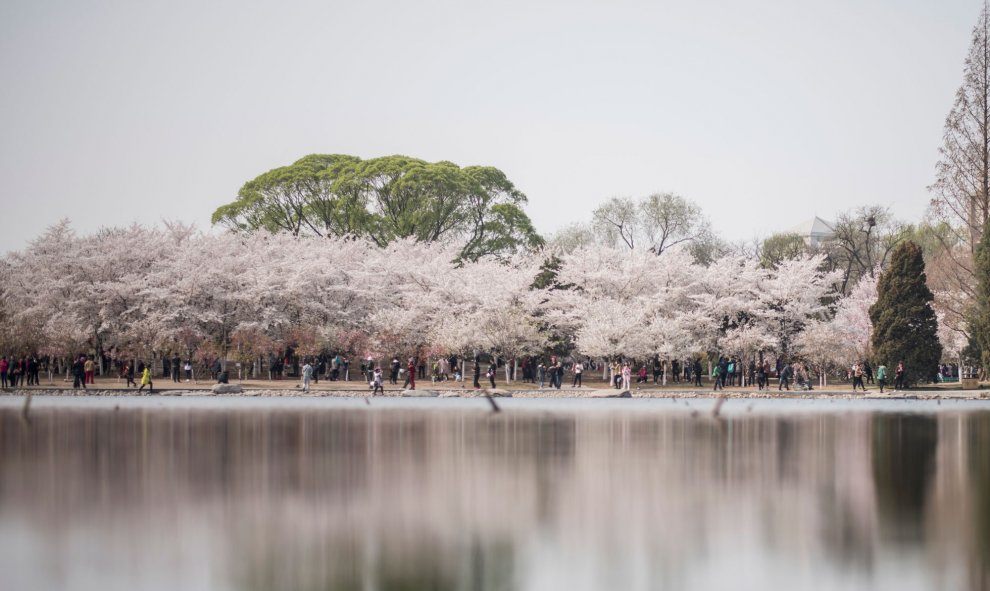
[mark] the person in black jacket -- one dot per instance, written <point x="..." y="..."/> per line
<point x="393" y="375"/>
<point x="79" y="373"/>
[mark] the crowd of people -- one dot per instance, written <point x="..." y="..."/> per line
<point x="19" y="371"/>
<point x="726" y="371"/>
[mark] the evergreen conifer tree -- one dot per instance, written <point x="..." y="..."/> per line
<point x="904" y="324"/>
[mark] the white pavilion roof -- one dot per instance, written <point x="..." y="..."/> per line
<point x="814" y="228"/>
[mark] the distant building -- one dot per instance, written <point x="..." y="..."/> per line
<point x="814" y="231"/>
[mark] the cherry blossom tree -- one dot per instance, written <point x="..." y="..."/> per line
<point x="791" y="296"/>
<point x="145" y="293"/>
<point x="851" y="326"/>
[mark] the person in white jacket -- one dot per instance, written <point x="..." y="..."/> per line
<point x="307" y="375"/>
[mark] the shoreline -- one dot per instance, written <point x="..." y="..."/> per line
<point x="577" y="393"/>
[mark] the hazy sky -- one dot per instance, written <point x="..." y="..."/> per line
<point x="764" y="112"/>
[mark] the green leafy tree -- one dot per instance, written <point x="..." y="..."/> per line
<point x="495" y="220"/>
<point x="781" y="247"/>
<point x="306" y="197"/>
<point x="980" y="320"/>
<point x="904" y="324"/>
<point x="385" y="199"/>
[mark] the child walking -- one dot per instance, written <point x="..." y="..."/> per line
<point x="376" y="382"/>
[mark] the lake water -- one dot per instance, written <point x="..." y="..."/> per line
<point x="273" y="494"/>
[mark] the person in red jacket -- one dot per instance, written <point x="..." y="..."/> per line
<point x="411" y="374"/>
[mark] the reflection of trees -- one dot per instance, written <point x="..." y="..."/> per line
<point x="441" y="499"/>
<point x="345" y="563"/>
<point x="903" y="465"/>
<point x="978" y="452"/>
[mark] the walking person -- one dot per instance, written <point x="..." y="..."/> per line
<point x="899" y="376"/>
<point x="881" y="376"/>
<point x="188" y="370"/>
<point x="307" y="375"/>
<point x="79" y="372"/>
<point x="717" y="376"/>
<point x="723" y="370"/>
<point x="33" y="371"/>
<point x="626" y="376"/>
<point x="697" y="373"/>
<point x="785" y="377"/>
<point x="410" y="382"/>
<point x="176" y="366"/>
<point x="556" y="372"/>
<point x="4" y="367"/>
<point x="477" y="372"/>
<point x="857" y="374"/>
<point x="393" y="374"/>
<point x="376" y="382"/>
<point x="578" y="368"/>
<point x="128" y="374"/>
<point x="146" y="380"/>
<point x="15" y="372"/>
<point x="444" y="369"/>
<point x="492" y="369"/>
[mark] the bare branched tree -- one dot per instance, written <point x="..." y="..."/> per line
<point x="657" y="222"/>
<point x="669" y="220"/>
<point x="617" y="222"/>
<point x="863" y="241"/>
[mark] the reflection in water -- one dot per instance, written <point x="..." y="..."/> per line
<point x="903" y="462"/>
<point x="456" y="498"/>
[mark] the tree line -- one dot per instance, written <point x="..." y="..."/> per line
<point x="151" y="293"/>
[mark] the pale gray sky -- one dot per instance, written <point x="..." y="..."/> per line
<point x="764" y="112"/>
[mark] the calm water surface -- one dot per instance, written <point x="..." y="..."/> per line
<point x="178" y="493"/>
